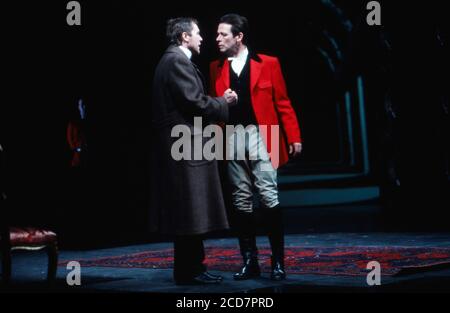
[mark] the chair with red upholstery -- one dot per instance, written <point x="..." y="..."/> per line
<point x="31" y="239"/>
<point x="15" y="238"/>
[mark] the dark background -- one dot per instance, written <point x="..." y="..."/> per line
<point x="109" y="61"/>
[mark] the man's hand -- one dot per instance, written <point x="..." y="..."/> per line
<point x="230" y="96"/>
<point x="295" y="149"/>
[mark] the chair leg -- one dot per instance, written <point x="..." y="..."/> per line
<point x="5" y="247"/>
<point x="52" y="252"/>
<point x="6" y="265"/>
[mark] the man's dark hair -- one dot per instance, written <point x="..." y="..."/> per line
<point x="239" y="24"/>
<point x="177" y="26"/>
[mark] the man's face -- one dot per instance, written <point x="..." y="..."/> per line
<point x="226" y="42"/>
<point x="194" y="39"/>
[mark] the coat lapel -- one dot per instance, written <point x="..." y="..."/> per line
<point x="199" y="73"/>
<point x="223" y="79"/>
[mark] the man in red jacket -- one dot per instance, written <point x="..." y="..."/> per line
<point x="264" y="103"/>
<point x="76" y="136"/>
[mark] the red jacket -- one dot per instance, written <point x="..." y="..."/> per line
<point x="76" y="140"/>
<point x="270" y="101"/>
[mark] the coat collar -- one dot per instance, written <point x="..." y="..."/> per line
<point x="253" y="56"/>
<point x="255" y="70"/>
<point x="177" y="50"/>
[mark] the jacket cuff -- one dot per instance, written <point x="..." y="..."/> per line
<point x="223" y="110"/>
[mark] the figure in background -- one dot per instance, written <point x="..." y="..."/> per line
<point x="76" y="136"/>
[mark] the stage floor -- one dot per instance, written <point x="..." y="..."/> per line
<point x="29" y="269"/>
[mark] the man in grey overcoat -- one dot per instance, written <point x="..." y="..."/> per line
<point x="186" y="195"/>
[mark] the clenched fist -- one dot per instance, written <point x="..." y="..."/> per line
<point x="230" y="96"/>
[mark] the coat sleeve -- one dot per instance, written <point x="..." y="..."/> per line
<point x="190" y="94"/>
<point x="283" y="105"/>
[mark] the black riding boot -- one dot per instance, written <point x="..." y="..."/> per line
<point x="247" y="242"/>
<point x="276" y="238"/>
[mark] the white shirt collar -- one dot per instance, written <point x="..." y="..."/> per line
<point x="186" y="51"/>
<point x="242" y="57"/>
<point x="238" y="62"/>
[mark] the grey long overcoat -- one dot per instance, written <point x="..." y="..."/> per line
<point x="186" y="196"/>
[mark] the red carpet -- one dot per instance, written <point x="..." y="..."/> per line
<point x="299" y="260"/>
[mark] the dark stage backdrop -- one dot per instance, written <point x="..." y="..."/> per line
<point x="323" y="47"/>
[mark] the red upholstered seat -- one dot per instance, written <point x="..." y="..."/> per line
<point x="22" y="238"/>
<point x="26" y="236"/>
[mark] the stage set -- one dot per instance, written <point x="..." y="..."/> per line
<point x="365" y="205"/>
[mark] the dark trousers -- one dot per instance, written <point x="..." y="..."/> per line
<point x="189" y="254"/>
